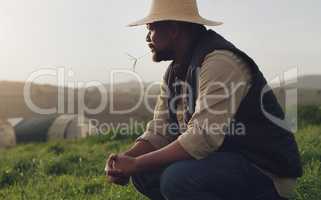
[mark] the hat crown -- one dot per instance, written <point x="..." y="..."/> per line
<point x="183" y="7"/>
<point x="177" y="10"/>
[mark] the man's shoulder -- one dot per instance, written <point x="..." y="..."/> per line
<point x="224" y="60"/>
<point x="226" y="55"/>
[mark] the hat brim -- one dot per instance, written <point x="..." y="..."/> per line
<point x="196" y="20"/>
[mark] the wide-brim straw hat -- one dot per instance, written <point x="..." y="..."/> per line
<point x="175" y="10"/>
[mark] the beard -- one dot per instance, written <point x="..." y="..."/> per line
<point x="163" y="55"/>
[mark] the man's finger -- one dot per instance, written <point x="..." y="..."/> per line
<point x="111" y="160"/>
<point x="108" y="165"/>
<point x="113" y="157"/>
<point x="118" y="180"/>
<point x="115" y="173"/>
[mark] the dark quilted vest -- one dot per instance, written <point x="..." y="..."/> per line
<point x="270" y="146"/>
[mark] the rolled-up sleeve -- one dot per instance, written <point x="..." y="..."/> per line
<point x="156" y="130"/>
<point x="223" y="82"/>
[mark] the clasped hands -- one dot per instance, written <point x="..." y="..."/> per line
<point x="120" y="167"/>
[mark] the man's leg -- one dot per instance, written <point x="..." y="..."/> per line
<point x="221" y="176"/>
<point x="148" y="183"/>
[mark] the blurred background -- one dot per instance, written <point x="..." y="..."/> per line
<point x="67" y="51"/>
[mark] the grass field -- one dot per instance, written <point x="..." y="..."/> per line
<point x="75" y="169"/>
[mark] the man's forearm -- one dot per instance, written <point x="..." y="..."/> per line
<point x="141" y="147"/>
<point x="169" y="154"/>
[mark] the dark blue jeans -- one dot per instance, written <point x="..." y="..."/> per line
<point x="221" y="176"/>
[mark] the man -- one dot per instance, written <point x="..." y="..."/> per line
<point x="214" y="133"/>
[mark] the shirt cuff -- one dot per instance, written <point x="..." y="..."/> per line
<point x="197" y="146"/>
<point x="156" y="140"/>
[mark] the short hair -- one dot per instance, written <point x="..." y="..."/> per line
<point x="193" y="29"/>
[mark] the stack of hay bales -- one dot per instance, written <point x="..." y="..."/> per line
<point x="7" y="135"/>
<point x="54" y="127"/>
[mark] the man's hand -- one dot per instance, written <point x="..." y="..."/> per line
<point x="123" y="166"/>
<point x="119" y="179"/>
<point x="139" y="148"/>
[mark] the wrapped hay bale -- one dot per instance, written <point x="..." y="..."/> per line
<point x="80" y="127"/>
<point x="34" y="129"/>
<point x="7" y="135"/>
<point x="70" y="127"/>
<point x="54" y="127"/>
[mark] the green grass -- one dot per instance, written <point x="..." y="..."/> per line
<point x="75" y="169"/>
<point x="309" y="140"/>
<point x="62" y="170"/>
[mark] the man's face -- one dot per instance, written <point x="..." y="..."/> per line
<point x="160" y="41"/>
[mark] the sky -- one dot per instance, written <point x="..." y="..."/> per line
<point x="90" y="37"/>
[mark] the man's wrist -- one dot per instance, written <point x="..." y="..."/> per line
<point x="126" y="153"/>
<point x="140" y="163"/>
<point x="141" y="147"/>
<point x="129" y="153"/>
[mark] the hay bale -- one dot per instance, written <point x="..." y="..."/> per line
<point x="54" y="127"/>
<point x="58" y="128"/>
<point x="79" y="128"/>
<point x="7" y="135"/>
<point x="34" y="129"/>
<point x="69" y="127"/>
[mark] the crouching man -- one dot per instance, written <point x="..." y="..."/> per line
<point x="214" y="134"/>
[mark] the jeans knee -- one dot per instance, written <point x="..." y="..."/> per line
<point x="138" y="183"/>
<point x="167" y="188"/>
<point x="147" y="183"/>
<point x="172" y="183"/>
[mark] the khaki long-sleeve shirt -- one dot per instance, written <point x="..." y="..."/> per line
<point x="223" y="82"/>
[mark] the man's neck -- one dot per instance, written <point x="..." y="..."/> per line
<point x="183" y="55"/>
<point x="181" y="52"/>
